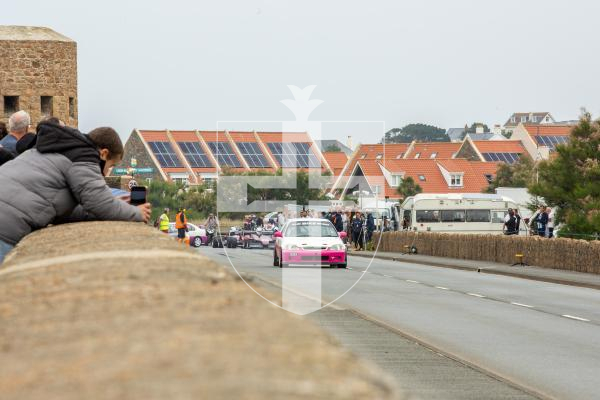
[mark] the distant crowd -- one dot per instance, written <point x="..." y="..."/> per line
<point x="540" y="224"/>
<point x="359" y="226"/>
<point x="55" y="174"/>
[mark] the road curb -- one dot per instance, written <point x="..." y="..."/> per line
<point x="491" y="271"/>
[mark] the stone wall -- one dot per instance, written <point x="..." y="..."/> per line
<point x="467" y="151"/>
<point x="109" y="310"/>
<point x="34" y="68"/>
<point x="566" y="254"/>
<point x="134" y="148"/>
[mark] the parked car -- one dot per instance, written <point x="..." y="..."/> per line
<point x="195" y="235"/>
<point x="310" y="241"/>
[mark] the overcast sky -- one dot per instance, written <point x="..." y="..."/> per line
<point x="157" y="64"/>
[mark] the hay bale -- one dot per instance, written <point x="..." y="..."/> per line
<point x="557" y="253"/>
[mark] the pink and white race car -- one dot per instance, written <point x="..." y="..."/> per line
<point x="309" y="241"/>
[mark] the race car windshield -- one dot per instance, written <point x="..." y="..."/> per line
<point x="310" y="229"/>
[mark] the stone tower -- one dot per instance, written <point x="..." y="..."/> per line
<point x="38" y="74"/>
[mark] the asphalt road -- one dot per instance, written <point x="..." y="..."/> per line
<point x="540" y="336"/>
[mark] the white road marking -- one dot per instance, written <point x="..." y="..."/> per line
<point x="476" y="295"/>
<point x="521" y="305"/>
<point x="441" y="287"/>
<point x="388" y="276"/>
<point x="576" y="318"/>
<point x="411" y="281"/>
<point x="348" y="268"/>
<point x="365" y="271"/>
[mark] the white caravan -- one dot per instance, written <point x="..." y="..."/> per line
<point x="457" y="213"/>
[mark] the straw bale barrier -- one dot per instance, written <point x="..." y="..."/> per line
<point x="120" y="311"/>
<point x="557" y="253"/>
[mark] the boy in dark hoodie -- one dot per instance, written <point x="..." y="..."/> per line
<point x="61" y="179"/>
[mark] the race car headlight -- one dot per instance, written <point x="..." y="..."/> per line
<point x="337" y="246"/>
<point x="291" y="247"/>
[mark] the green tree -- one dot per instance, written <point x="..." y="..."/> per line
<point x="334" y="148"/>
<point x="570" y="180"/>
<point x="198" y="200"/>
<point x="519" y="174"/>
<point x="408" y="187"/>
<point x="418" y="132"/>
<point x="475" y="125"/>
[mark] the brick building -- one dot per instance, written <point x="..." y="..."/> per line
<point x="38" y="74"/>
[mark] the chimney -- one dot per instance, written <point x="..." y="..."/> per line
<point x="349" y="143"/>
<point x="479" y="129"/>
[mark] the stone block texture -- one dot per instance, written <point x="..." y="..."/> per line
<point x="34" y="63"/>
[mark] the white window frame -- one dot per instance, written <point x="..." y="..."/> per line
<point x="523" y="118"/>
<point x="396" y="180"/>
<point x="456" y="180"/>
<point x="433" y="155"/>
<point x="417" y="155"/>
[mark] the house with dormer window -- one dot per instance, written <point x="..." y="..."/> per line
<point x="531" y="118"/>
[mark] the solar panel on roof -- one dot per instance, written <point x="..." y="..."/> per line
<point x="165" y="155"/>
<point x="294" y="155"/>
<point x="194" y="154"/>
<point x="252" y="154"/>
<point x="224" y="154"/>
<point x="551" y="141"/>
<point x="509" y="158"/>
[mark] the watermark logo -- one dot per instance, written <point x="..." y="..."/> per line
<point x="306" y="216"/>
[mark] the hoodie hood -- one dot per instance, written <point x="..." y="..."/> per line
<point x="71" y="143"/>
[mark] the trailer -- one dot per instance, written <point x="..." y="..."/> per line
<point x="457" y="213"/>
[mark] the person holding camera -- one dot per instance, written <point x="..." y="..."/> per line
<point x="61" y="179"/>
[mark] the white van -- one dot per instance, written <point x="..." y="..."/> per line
<point x="457" y="213"/>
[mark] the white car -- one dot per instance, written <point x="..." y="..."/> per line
<point x="309" y="241"/>
<point x="194" y="233"/>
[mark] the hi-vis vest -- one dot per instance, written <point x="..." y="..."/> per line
<point x="180" y="221"/>
<point x="164" y="222"/>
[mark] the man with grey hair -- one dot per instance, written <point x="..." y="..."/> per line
<point x="18" y="124"/>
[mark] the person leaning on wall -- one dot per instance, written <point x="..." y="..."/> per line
<point x="61" y="179"/>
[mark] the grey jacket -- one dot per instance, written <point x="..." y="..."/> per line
<point x="39" y="188"/>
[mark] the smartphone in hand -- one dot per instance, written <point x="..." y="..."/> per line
<point x="138" y="195"/>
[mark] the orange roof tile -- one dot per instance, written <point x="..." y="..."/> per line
<point x="168" y="169"/>
<point x="154" y="136"/>
<point x="474" y="179"/>
<point x="184" y="136"/>
<point x="273" y="137"/>
<point x="499" y="146"/>
<point x="373" y="151"/>
<point x="388" y="151"/>
<point x="336" y="160"/>
<point x="214" y="136"/>
<point x="549" y="130"/>
<point x="242" y="136"/>
<point x="441" y="150"/>
<point x="434" y="181"/>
